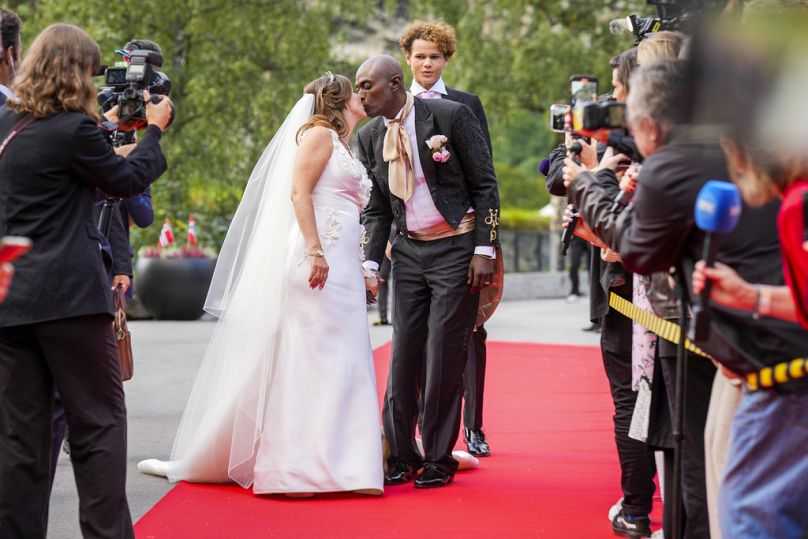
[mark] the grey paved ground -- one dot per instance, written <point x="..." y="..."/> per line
<point x="166" y="359"/>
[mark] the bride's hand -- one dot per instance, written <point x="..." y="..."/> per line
<point x="319" y="272"/>
<point x="372" y="288"/>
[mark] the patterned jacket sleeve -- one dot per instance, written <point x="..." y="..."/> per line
<point x="378" y="215"/>
<point x="478" y="168"/>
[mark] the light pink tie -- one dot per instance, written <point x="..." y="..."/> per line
<point x="429" y="94"/>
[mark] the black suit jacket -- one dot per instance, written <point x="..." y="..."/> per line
<point x="48" y="177"/>
<point x="466" y="180"/>
<point x="473" y="102"/>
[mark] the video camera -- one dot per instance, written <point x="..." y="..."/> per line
<point x="124" y="86"/>
<point x="600" y="118"/>
<point x="676" y="15"/>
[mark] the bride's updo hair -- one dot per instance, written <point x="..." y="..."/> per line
<point x="331" y="94"/>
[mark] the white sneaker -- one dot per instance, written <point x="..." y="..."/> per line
<point x="573" y="298"/>
<point x="154" y="467"/>
<point x="615" y="509"/>
<point x="466" y="461"/>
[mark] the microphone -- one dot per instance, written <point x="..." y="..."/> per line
<point x="718" y="209"/>
<point x="566" y="237"/>
<point x="621" y="26"/>
<point x="621" y="201"/>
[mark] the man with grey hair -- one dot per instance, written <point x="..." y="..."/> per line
<point x="659" y="232"/>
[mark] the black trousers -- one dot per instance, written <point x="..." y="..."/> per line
<point x="700" y="375"/>
<point x="434" y="314"/>
<point x="77" y="356"/>
<point x="637" y="466"/>
<point x="579" y="250"/>
<point x="384" y="289"/>
<point x="474" y="381"/>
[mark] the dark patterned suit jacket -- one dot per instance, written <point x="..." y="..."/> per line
<point x="473" y="102"/>
<point x="466" y="179"/>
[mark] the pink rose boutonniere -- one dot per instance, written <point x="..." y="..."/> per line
<point x="437" y="144"/>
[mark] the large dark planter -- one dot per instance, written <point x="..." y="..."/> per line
<point x="174" y="288"/>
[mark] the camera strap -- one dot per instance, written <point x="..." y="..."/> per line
<point x="16" y="129"/>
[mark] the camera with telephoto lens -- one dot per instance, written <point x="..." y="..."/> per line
<point x="125" y="85"/>
<point x="674" y="15"/>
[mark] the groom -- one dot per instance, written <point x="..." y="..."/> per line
<point x="442" y="194"/>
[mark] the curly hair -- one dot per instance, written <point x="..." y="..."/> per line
<point x="331" y="94"/>
<point x="438" y="32"/>
<point x="57" y="74"/>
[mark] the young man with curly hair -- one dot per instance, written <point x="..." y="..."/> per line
<point x="427" y="48"/>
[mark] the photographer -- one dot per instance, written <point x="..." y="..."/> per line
<point x="659" y="232"/>
<point x="136" y="210"/>
<point x="55" y="322"/>
<point x="637" y="466"/>
<point x="11" y="48"/>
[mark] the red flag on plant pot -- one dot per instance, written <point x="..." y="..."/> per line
<point x="191" y="230"/>
<point x="166" y="234"/>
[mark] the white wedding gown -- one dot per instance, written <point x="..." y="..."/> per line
<point x="285" y="399"/>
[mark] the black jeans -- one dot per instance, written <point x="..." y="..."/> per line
<point x="78" y="356"/>
<point x="637" y="466"/>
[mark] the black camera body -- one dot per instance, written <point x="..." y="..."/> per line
<point x="124" y="86"/>
<point x="593" y="116"/>
<point x="674" y="15"/>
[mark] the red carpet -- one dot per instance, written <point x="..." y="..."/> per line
<point x="553" y="472"/>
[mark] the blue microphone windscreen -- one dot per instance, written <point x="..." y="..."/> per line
<point x="718" y="207"/>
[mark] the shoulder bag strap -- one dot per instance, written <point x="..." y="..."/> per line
<point x="16" y="129"/>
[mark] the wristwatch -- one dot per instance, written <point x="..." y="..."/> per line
<point x="315" y="251"/>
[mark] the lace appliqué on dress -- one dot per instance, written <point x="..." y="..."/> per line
<point x="356" y="169"/>
<point x="332" y="228"/>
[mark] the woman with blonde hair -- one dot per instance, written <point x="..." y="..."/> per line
<point x="285" y="400"/>
<point x="55" y="324"/>
<point x="664" y="45"/>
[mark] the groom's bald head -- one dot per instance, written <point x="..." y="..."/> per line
<point x="380" y="84"/>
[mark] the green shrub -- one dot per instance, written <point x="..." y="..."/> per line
<point x="521" y="219"/>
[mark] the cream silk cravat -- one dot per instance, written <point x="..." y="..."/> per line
<point x="396" y="153"/>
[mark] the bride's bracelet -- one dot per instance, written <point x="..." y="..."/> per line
<point x="369" y="274"/>
<point x="315" y="251"/>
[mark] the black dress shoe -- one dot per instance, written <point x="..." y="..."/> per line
<point x="476" y="442"/>
<point x="400" y="473"/>
<point x="433" y="476"/>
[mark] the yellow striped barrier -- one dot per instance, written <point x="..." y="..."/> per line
<point x="765" y="378"/>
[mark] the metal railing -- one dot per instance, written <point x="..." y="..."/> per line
<point x="528" y="250"/>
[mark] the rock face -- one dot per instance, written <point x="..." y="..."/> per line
<point x="379" y="36"/>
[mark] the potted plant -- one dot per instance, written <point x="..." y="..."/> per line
<point x="172" y="281"/>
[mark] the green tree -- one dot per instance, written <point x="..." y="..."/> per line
<point x="237" y="66"/>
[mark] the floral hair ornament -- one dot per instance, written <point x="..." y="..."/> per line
<point x="330" y="77"/>
<point x="437" y="143"/>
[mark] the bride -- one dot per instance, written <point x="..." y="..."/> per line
<point x="285" y="400"/>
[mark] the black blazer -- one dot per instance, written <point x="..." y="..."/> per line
<point x="48" y="177"/>
<point x="466" y="179"/>
<point x="473" y="102"/>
